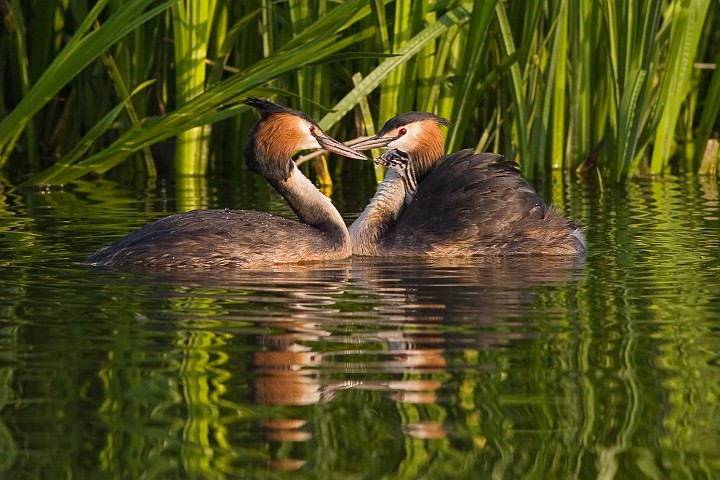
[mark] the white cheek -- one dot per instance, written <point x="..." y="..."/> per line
<point x="410" y="139"/>
<point x="403" y="143"/>
<point x="307" y="142"/>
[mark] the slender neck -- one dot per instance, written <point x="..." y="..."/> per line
<point x="409" y="183"/>
<point x="312" y="207"/>
<point x="424" y="160"/>
<point x="367" y="232"/>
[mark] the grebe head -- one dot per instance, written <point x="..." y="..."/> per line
<point x="416" y="133"/>
<point x="281" y="131"/>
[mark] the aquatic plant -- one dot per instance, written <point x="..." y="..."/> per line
<point x="616" y="88"/>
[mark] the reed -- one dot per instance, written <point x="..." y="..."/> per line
<point x="191" y="27"/>
<point x="617" y="88"/>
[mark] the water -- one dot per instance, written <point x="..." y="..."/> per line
<point x="607" y="367"/>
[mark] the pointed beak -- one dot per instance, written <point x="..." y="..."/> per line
<point x="332" y="145"/>
<point x="373" y="142"/>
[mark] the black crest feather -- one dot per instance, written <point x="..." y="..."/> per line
<point x="411" y="117"/>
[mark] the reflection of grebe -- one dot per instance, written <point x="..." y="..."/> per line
<point x="208" y="238"/>
<point x="453" y="205"/>
<point x="288" y="370"/>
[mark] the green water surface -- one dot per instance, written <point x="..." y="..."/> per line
<point x="608" y="367"/>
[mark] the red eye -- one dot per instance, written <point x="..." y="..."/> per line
<point x="402" y="131"/>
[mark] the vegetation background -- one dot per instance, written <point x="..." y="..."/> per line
<point x="611" y="372"/>
<point x="601" y="88"/>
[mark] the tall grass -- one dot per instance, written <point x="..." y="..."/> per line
<point x="191" y="27"/>
<point x="617" y="88"/>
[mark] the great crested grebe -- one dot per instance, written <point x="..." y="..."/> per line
<point x="240" y="238"/>
<point x="463" y="203"/>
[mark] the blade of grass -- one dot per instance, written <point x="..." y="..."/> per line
<point x="557" y="121"/>
<point x="544" y="80"/>
<point x="710" y="160"/>
<point x="191" y="32"/>
<point x="367" y="126"/>
<point x="425" y="64"/>
<point x="408" y="73"/>
<point x="517" y="92"/>
<point x="63" y="169"/>
<point x="223" y="53"/>
<point x="630" y="49"/>
<point x="688" y="19"/>
<point x="123" y="92"/>
<point x="456" y="16"/>
<point x="22" y="60"/>
<point x="446" y="68"/>
<point x="580" y="114"/>
<point x="80" y="50"/>
<point x="628" y="117"/>
<point x="475" y="50"/>
<point x="392" y="85"/>
<point x="221" y="101"/>
<point x="710" y="113"/>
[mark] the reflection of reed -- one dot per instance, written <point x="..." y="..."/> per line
<point x="370" y="325"/>
<point x="438" y="295"/>
<point x="413" y="304"/>
<point x="308" y="363"/>
<point x="8" y="448"/>
<point x="709" y="188"/>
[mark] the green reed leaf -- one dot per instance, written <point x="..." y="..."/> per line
<point x="80" y="50"/>
<point x="517" y="91"/>
<point x="474" y="55"/>
<point x="455" y="16"/>
<point x="65" y="169"/>
<point x="222" y="101"/>
<point x="688" y="19"/>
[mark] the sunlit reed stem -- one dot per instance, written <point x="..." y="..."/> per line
<point x="192" y="26"/>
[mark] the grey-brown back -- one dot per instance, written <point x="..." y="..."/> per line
<point x="217" y="238"/>
<point x="480" y="204"/>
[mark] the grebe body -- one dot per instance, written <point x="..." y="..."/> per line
<point x="240" y="238"/>
<point x="460" y="204"/>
